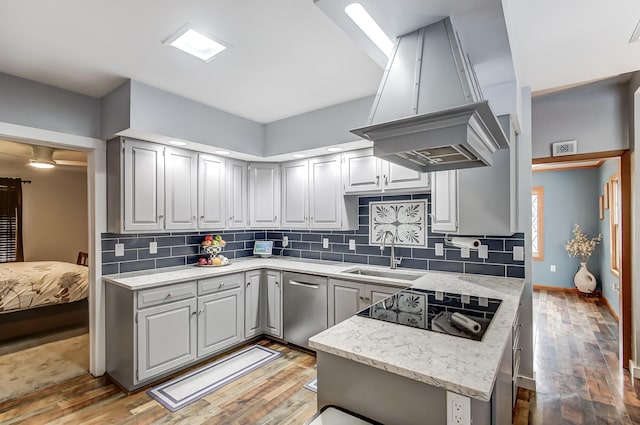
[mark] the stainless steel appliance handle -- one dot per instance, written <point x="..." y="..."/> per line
<point x="306" y="285"/>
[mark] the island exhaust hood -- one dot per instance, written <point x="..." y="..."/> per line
<point x="428" y="114"/>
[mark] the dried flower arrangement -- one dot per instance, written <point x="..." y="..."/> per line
<point x="581" y="246"/>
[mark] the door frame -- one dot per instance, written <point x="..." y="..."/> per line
<point x="625" y="295"/>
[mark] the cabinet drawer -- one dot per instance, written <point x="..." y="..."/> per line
<point x="220" y="283"/>
<point x="166" y="294"/>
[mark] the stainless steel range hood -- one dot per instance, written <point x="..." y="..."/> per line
<point x="429" y="114"/>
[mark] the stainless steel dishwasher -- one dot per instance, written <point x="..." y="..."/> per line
<point x="305" y="307"/>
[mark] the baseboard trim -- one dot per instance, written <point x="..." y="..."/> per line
<point x="605" y="302"/>
<point x="553" y="288"/>
<point x="596" y="294"/>
<point x="526" y="382"/>
<point x="635" y="371"/>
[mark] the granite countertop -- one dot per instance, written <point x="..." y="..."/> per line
<point x="460" y="365"/>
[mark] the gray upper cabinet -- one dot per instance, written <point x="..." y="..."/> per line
<point x="237" y="187"/>
<point x="181" y="189"/>
<point x="444" y="201"/>
<point x="295" y="194"/>
<point x="212" y="192"/>
<point x="364" y="173"/>
<point x="326" y="201"/>
<point x="264" y="195"/>
<point x="135" y="186"/>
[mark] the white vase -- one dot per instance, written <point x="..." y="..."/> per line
<point x="584" y="280"/>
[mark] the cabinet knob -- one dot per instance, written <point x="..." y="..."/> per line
<point x="160" y="217"/>
<point x="194" y="217"/>
<point x="277" y="283"/>
<point x="170" y="294"/>
<point x="361" y="298"/>
<point x="201" y="311"/>
<point x="248" y="283"/>
<point x="386" y="181"/>
<point x="202" y="217"/>
<point x="377" y="180"/>
<point x="221" y="285"/>
<point x="194" y="313"/>
<point x="275" y="217"/>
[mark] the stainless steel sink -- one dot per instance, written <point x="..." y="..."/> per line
<point x="384" y="273"/>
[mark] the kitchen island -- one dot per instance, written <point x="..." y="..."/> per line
<point x="399" y="374"/>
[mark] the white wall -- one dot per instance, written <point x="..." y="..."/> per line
<point x="55" y="223"/>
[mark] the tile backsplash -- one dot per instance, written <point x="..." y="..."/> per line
<point x="180" y="248"/>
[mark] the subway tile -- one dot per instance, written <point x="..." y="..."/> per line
<point x="133" y="266"/>
<point x="108" y="244"/>
<point x="379" y="261"/>
<point x="339" y="247"/>
<point x="171" y="240"/>
<point x="185" y="250"/>
<point x="510" y="243"/>
<point x="350" y="258"/>
<point x="110" y="256"/>
<point x="292" y="236"/>
<point x="503" y="258"/>
<point x="368" y="249"/>
<point x="493" y="244"/>
<point x="108" y="235"/>
<point x="184" y="233"/>
<point x="244" y="253"/>
<point x="311" y="237"/>
<point x="230" y="255"/>
<point x="343" y="232"/>
<point x="310" y="254"/>
<point x="515" y="271"/>
<point x="129" y="236"/>
<point x="362" y="230"/>
<point x="291" y="253"/>
<point x="245" y="236"/>
<point x="197" y="239"/>
<point x="249" y="245"/>
<point x="363" y="210"/>
<point x="363" y="219"/>
<point x="396" y="198"/>
<point x="274" y="235"/>
<point x="335" y="238"/>
<point x="261" y="235"/>
<point x="364" y="200"/>
<point x="331" y="256"/>
<point x="402" y="252"/>
<point x="423" y="253"/>
<point x="360" y="239"/>
<point x="300" y="245"/>
<point x="193" y="259"/>
<point x="446" y="266"/>
<point x="486" y="269"/>
<point x="162" y="252"/>
<point x="316" y="247"/>
<point x="456" y="255"/>
<point x="413" y="263"/>
<point x="109" y="269"/>
<point x="170" y="262"/>
<point x="421" y="196"/>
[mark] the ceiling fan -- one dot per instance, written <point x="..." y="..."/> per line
<point x="43" y="156"/>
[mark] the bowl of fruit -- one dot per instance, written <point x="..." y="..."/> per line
<point x="212" y="246"/>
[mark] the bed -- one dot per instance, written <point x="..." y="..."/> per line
<point x="41" y="296"/>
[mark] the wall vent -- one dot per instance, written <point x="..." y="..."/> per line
<point x="568" y="147"/>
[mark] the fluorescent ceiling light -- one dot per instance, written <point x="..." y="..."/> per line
<point x="195" y="43"/>
<point x="636" y="34"/>
<point x="178" y="143"/>
<point x="41" y="163"/>
<point x="223" y="152"/>
<point x="298" y="155"/>
<point x="369" y="27"/>
<point x="334" y="149"/>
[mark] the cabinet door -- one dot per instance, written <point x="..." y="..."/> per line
<point x="377" y="293"/>
<point x="295" y="194"/>
<point x="264" y="195"/>
<point x="181" y="189"/>
<point x="220" y="321"/>
<point x="273" y="303"/>
<point x="212" y="194"/>
<point x="444" y="201"/>
<point x="345" y="300"/>
<point x="361" y="172"/>
<point x="237" y="194"/>
<point x="166" y="337"/>
<point x="143" y="186"/>
<point x="252" y="311"/>
<point x="395" y="177"/>
<point x="325" y="193"/>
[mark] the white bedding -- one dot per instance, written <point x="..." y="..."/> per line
<point x="31" y="284"/>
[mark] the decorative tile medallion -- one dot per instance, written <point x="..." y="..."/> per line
<point x="406" y="220"/>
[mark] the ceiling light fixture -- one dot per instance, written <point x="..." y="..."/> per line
<point x="39" y="163"/>
<point x="369" y="27"/>
<point x="196" y="43"/>
<point x="298" y="155"/>
<point x="334" y="149"/>
<point x="223" y="152"/>
<point x="177" y="143"/>
<point x="636" y="34"/>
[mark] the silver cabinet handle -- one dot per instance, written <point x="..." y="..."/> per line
<point x="248" y="283"/>
<point x="275" y="217"/>
<point x="377" y="180"/>
<point x="201" y="311"/>
<point x="221" y="285"/>
<point x="202" y="217"/>
<point x="277" y="283"/>
<point x="160" y="217"/>
<point x="386" y="181"/>
<point x="194" y="217"/>
<point x="170" y="294"/>
<point x="361" y="298"/>
<point x="194" y="313"/>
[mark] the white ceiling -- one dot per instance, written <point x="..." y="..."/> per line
<point x="288" y="57"/>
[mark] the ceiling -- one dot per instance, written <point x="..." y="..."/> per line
<point x="15" y="153"/>
<point x="288" y="56"/>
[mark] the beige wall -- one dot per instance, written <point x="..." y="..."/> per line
<point x="55" y="212"/>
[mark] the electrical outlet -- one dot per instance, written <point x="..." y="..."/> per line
<point x="465" y="299"/>
<point x="465" y="252"/>
<point x="325" y="242"/>
<point x="552" y="268"/>
<point x="518" y="253"/>
<point x="483" y="251"/>
<point x="119" y="250"/>
<point x="439" y="249"/>
<point x="285" y="241"/>
<point x="352" y="244"/>
<point x="439" y="295"/>
<point x="616" y="286"/>
<point x="153" y="247"/>
<point x="458" y="409"/>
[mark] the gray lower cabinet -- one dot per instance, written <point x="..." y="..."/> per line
<point x="263" y="303"/>
<point x="219" y="321"/>
<point x="347" y="298"/>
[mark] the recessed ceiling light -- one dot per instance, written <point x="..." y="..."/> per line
<point x="369" y="27"/>
<point x="196" y="43"/>
<point x="334" y="149"/>
<point x="41" y="163"/>
<point x="223" y="152"/>
<point x="178" y="143"/>
<point x="298" y="155"/>
<point x="636" y="34"/>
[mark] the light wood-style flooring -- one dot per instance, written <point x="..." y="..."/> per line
<point x="272" y="394"/>
<point x="578" y="375"/>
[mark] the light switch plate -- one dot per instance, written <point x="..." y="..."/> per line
<point x="352" y="244"/>
<point x="119" y="250"/>
<point x="518" y="253"/>
<point x="483" y="251"/>
<point x="465" y="252"/>
<point x="439" y="249"/>
<point x="552" y="268"/>
<point x="325" y="242"/>
<point x="153" y="247"/>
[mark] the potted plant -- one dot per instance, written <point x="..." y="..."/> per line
<point x="582" y="246"/>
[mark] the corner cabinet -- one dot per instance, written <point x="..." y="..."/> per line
<point x="237" y="187"/>
<point x="264" y="195"/>
<point x="263" y="303"/>
<point x="365" y="173"/>
<point x="346" y="298"/>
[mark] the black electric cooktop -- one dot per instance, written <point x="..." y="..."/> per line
<point x="454" y="314"/>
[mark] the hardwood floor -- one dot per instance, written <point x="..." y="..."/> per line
<point x="578" y="374"/>
<point x="273" y="394"/>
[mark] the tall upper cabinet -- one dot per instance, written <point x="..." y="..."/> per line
<point x="181" y="189"/>
<point x="264" y="195"/>
<point x="212" y="192"/>
<point x="237" y="194"/>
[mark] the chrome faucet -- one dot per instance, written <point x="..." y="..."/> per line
<point x="394" y="261"/>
